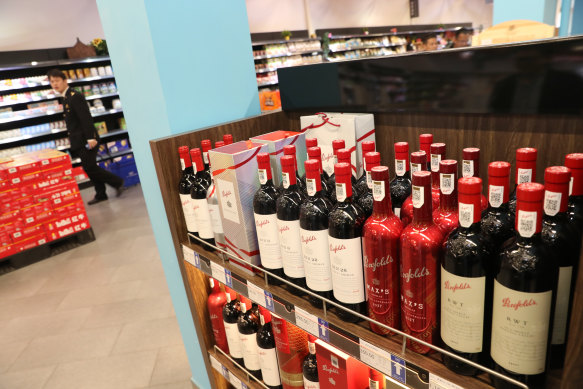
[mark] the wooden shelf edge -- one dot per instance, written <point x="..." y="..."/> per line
<point x="237" y="377"/>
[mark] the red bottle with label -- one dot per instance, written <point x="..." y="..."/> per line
<point x="418" y="163"/>
<point x="216" y="301"/>
<point x="291" y="343"/>
<point x="228" y="139"/>
<point x="525" y="171"/>
<point x="437" y="155"/>
<point x="380" y="244"/>
<point x="420" y="252"/>
<point x="471" y="168"/>
<point x="446" y="216"/>
<point x="425" y="141"/>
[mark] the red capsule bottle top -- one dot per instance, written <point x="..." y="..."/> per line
<point x="205" y="145"/>
<point x="575" y="163"/>
<point x="338" y="144"/>
<point x="470" y="199"/>
<point x="219" y="143"/>
<point x="529" y="208"/>
<point x="437" y="154"/>
<point x="288" y="169"/>
<point x="196" y="157"/>
<point x="525" y="165"/>
<point x="421" y="196"/>
<point x="447" y="176"/>
<point x="556" y="198"/>
<point x="313" y="180"/>
<point x="185" y="161"/>
<point x="228" y="139"/>
<point x="344" y="155"/>
<point x="401" y="158"/>
<point x="425" y="141"/>
<point x="498" y="183"/>
<point x="471" y="162"/>
<point x="368" y="146"/>
<point x="289" y="150"/>
<point x="311" y="142"/>
<point x="418" y="161"/>
<point x="380" y="185"/>
<point x="264" y="167"/>
<point x="343" y="173"/>
<point x="316" y="153"/>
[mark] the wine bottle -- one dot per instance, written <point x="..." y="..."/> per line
<point x="401" y="184"/>
<point x="425" y="141"/>
<point x="376" y="380"/>
<point x="362" y="185"/>
<point x="291" y="344"/>
<point x="343" y="156"/>
<point x="337" y="144"/>
<point x="228" y="139"/>
<point x="380" y="245"/>
<point x="446" y="215"/>
<point x="205" y="146"/>
<point x="265" y="213"/>
<point x="524" y="289"/>
<point x="575" y="208"/>
<point x="215" y="302"/>
<point x="418" y="163"/>
<point x="365" y="201"/>
<point x="525" y="172"/>
<point x="215" y="213"/>
<point x="288" y="223"/>
<point x="316" y="153"/>
<point x="231" y="313"/>
<point x="437" y="155"/>
<point x="248" y="326"/>
<point x="311" y="142"/>
<point x="314" y="213"/>
<point x="291" y="150"/>
<point x="345" y="232"/>
<point x="198" y="192"/>
<point x="184" y="186"/>
<point x="471" y="168"/>
<point x="267" y="353"/>
<point x="466" y="284"/>
<point x="420" y="252"/>
<point x="561" y="238"/>
<point x="498" y="223"/>
<point x="310" y="366"/>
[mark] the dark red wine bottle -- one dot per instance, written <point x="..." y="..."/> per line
<point x="345" y="236"/>
<point x="248" y="325"/>
<point x="231" y="313"/>
<point x="401" y="184"/>
<point x="575" y="208"/>
<point x="291" y="150"/>
<point x="311" y="142"/>
<point x="344" y="156"/>
<point x="524" y="290"/>
<point x="215" y="303"/>
<point x="310" y="366"/>
<point x="184" y="187"/>
<point x="288" y="223"/>
<point x="265" y="213"/>
<point x="228" y="139"/>
<point x="314" y="213"/>
<point x="446" y="215"/>
<point x="436" y="156"/>
<point x="471" y="168"/>
<point x="267" y="354"/>
<point x="376" y="380"/>
<point x="198" y="192"/>
<point x="337" y="144"/>
<point x="316" y="153"/>
<point x="561" y="237"/>
<point x="525" y="172"/>
<point x="380" y="245"/>
<point x="368" y="146"/>
<point x="418" y="163"/>
<point x="205" y="146"/>
<point x="365" y="200"/>
<point x="498" y="222"/>
<point x="466" y="284"/>
<point x="425" y="141"/>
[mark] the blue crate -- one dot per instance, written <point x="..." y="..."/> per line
<point x="127" y="170"/>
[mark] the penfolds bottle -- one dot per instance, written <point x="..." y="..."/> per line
<point x="291" y="150"/>
<point x="436" y="156"/>
<point x="446" y="215"/>
<point x="215" y="213"/>
<point x="337" y="144"/>
<point x="466" y="284"/>
<point x="345" y="232"/>
<point x="216" y="301"/>
<point x="575" y="208"/>
<point x="425" y="141"/>
<point x="310" y="366"/>
<point x="380" y="246"/>
<point x="198" y="192"/>
<point x="248" y="326"/>
<point x="362" y="184"/>
<point x="497" y="222"/>
<point x="267" y="353"/>
<point x="524" y="290"/>
<point x="291" y="344"/>
<point x="228" y="139"/>
<point x="314" y="213"/>
<point x="205" y="146"/>
<point x="265" y="213"/>
<point x="401" y="184"/>
<point x="316" y="153"/>
<point x="418" y="163"/>
<point x="288" y="223"/>
<point x="376" y="380"/>
<point x="343" y="156"/>
<point x="365" y="200"/>
<point x="184" y="186"/>
<point x="471" y="167"/>
<point x="420" y="252"/>
<point x="311" y="142"/>
<point x="230" y="315"/>
<point x="562" y="239"/>
<point x="525" y="172"/>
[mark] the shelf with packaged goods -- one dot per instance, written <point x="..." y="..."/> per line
<point x="280" y="41"/>
<point x="44" y="84"/>
<point x="236" y="374"/>
<point x="11" y="103"/>
<point x="266" y="84"/>
<point x="397" y="33"/>
<point x="24" y="139"/>
<point x="364" y="47"/>
<point x="77" y="161"/>
<point x="288" y="54"/>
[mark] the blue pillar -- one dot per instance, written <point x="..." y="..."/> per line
<point x="180" y="65"/>
<point x="577" y="18"/>
<point x="538" y="10"/>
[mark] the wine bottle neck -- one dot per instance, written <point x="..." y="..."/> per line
<point x="381" y="194"/>
<point x="422" y="206"/>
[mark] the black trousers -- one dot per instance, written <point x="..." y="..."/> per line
<point x="98" y="176"/>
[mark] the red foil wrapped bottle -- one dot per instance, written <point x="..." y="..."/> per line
<point x="525" y="172"/>
<point x="436" y="156"/>
<point x="381" y="234"/>
<point x="368" y="146"/>
<point x="446" y="216"/>
<point x="420" y="251"/>
<point x="216" y="301"/>
<point x="418" y="163"/>
<point x="425" y="141"/>
<point x="471" y="168"/>
<point x="228" y="139"/>
<point x="291" y="343"/>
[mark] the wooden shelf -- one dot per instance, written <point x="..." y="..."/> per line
<point x="237" y="376"/>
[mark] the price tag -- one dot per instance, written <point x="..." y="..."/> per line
<point x="306" y="321"/>
<point x="436" y="382"/>
<point x="243" y="385"/>
<point x="398" y="370"/>
<point x="323" y="331"/>
<point x="216" y="364"/>
<point x="218" y="272"/>
<point x="236" y="382"/>
<point x="190" y="256"/>
<point x="256" y="293"/>
<point x="375" y="357"/>
<point x="225" y="372"/>
<point x="269" y="301"/>
<point x="228" y="278"/>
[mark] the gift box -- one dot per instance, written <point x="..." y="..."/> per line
<point x="275" y="142"/>
<point x="30" y="242"/>
<point x="338" y="370"/>
<point x="354" y="128"/>
<point x="7" y="250"/>
<point x="68" y="230"/>
<point x="234" y="168"/>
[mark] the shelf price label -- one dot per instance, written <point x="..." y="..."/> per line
<point x="306" y="321"/>
<point x="269" y="301"/>
<point x="375" y="357"/>
<point x="228" y="278"/>
<point x="323" y="330"/>
<point x="225" y="372"/>
<point x="191" y="256"/>
<point x="216" y="364"/>
<point x="436" y="382"/>
<point x="218" y="272"/>
<point x="398" y="371"/>
<point x="236" y="382"/>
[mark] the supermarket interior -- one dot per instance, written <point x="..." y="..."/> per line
<point x="303" y="194"/>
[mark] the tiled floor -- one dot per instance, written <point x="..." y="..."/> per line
<point x="99" y="316"/>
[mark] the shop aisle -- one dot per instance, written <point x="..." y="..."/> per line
<point x="98" y="316"/>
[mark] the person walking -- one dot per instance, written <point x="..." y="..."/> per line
<point x="83" y="136"/>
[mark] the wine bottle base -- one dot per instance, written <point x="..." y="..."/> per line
<point x="301" y="282"/>
<point x="557" y="356"/>
<point x="240" y="361"/>
<point x="532" y="381"/>
<point x="460" y="367"/>
<point x="272" y="280"/>
<point x="256" y="373"/>
<point x="349" y="317"/>
<point x="316" y="302"/>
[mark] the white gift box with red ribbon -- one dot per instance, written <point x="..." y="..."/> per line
<point x="354" y="128"/>
<point x="234" y="169"/>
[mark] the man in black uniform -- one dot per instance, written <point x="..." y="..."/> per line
<point x="83" y="136"/>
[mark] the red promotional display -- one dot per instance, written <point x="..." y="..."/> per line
<point x="338" y="370"/>
<point x="292" y="347"/>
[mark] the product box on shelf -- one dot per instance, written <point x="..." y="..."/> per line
<point x="234" y="168"/>
<point x="275" y="141"/>
<point x="30" y="242"/>
<point x="354" y="128"/>
<point x="58" y="171"/>
<point x="7" y="250"/>
<point x="338" y="370"/>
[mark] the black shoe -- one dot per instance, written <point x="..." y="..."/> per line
<point x="96" y="200"/>
<point x="119" y="190"/>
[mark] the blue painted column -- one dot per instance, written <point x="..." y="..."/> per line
<point x="180" y="65"/>
<point x="577" y="18"/>
<point x="538" y="10"/>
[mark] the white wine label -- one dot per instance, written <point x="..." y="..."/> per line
<point x="562" y="305"/>
<point x="291" y="248"/>
<point x="446" y="183"/>
<point x="203" y="219"/>
<point x="435" y="160"/>
<point x="340" y="192"/>
<point x="462" y="311"/>
<point x="524" y="175"/>
<point x="327" y="158"/>
<point x="466" y="214"/>
<point x="368" y="179"/>
<point x="228" y="199"/>
<point x="571" y="186"/>
<point x="526" y="223"/>
<point x="312" y="347"/>
<point x="268" y="240"/>
<point x="495" y="195"/>
<point x="378" y="190"/>
<point x="194" y="167"/>
<point x="467" y="168"/>
<point x="552" y="203"/>
<point x="188" y="210"/>
<point x="415" y="167"/>
<point x="269" y="366"/>
<point x="316" y="259"/>
<point x="520" y="328"/>
<point x="216" y="218"/>
<point x="250" y="351"/>
<point x="400" y="167"/>
<point x="311" y="384"/>
<point x="285" y="179"/>
<point x="372" y="384"/>
<point x="398" y="212"/>
<point x="262" y="173"/>
<point x="205" y="157"/>
<point x="335" y="160"/>
<point x="347" y="269"/>
<point x="233" y="340"/>
<point x="311" y="186"/>
<point x="182" y="165"/>
<point x="417" y="196"/>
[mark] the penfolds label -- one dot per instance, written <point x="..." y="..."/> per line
<point x="466" y="214"/>
<point x="495" y="195"/>
<point x="347" y="269"/>
<point x="327" y="158"/>
<point x="311" y="384"/>
<point x="419" y="290"/>
<point x="462" y="311"/>
<point x="467" y="168"/>
<point x="562" y="305"/>
<point x="250" y="352"/>
<point x="552" y="202"/>
<point x="526" y="223"/>
<point x="417" y="196"/>
<point x="285" y="179"/>
<point x="520" y="325"/>
<point x="233" y="340"/>
<point x="311" y="186"/>
<point x="524" y="175"/>
<point x="419" y="272"/>
<point x="446" y="183"/>
<point x="216" y="218"/>
<point x="268" y="240"/>
<point x="228" y="200"/>
<point x="435" y="160"/>
<point x="379" y="285"/>
<point x="269" y="366"/>
<point x="400" y="167"/>
<point x="316" y="259"/>
<point x="416" y="167"/>
<point x="262" y="173"/>
<point x="203" y="219"/>
<point x="340" y="191"/>
<point x="188" y="210"/>
<point x="378" y="190"/>
<point x="291" y="247"/>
